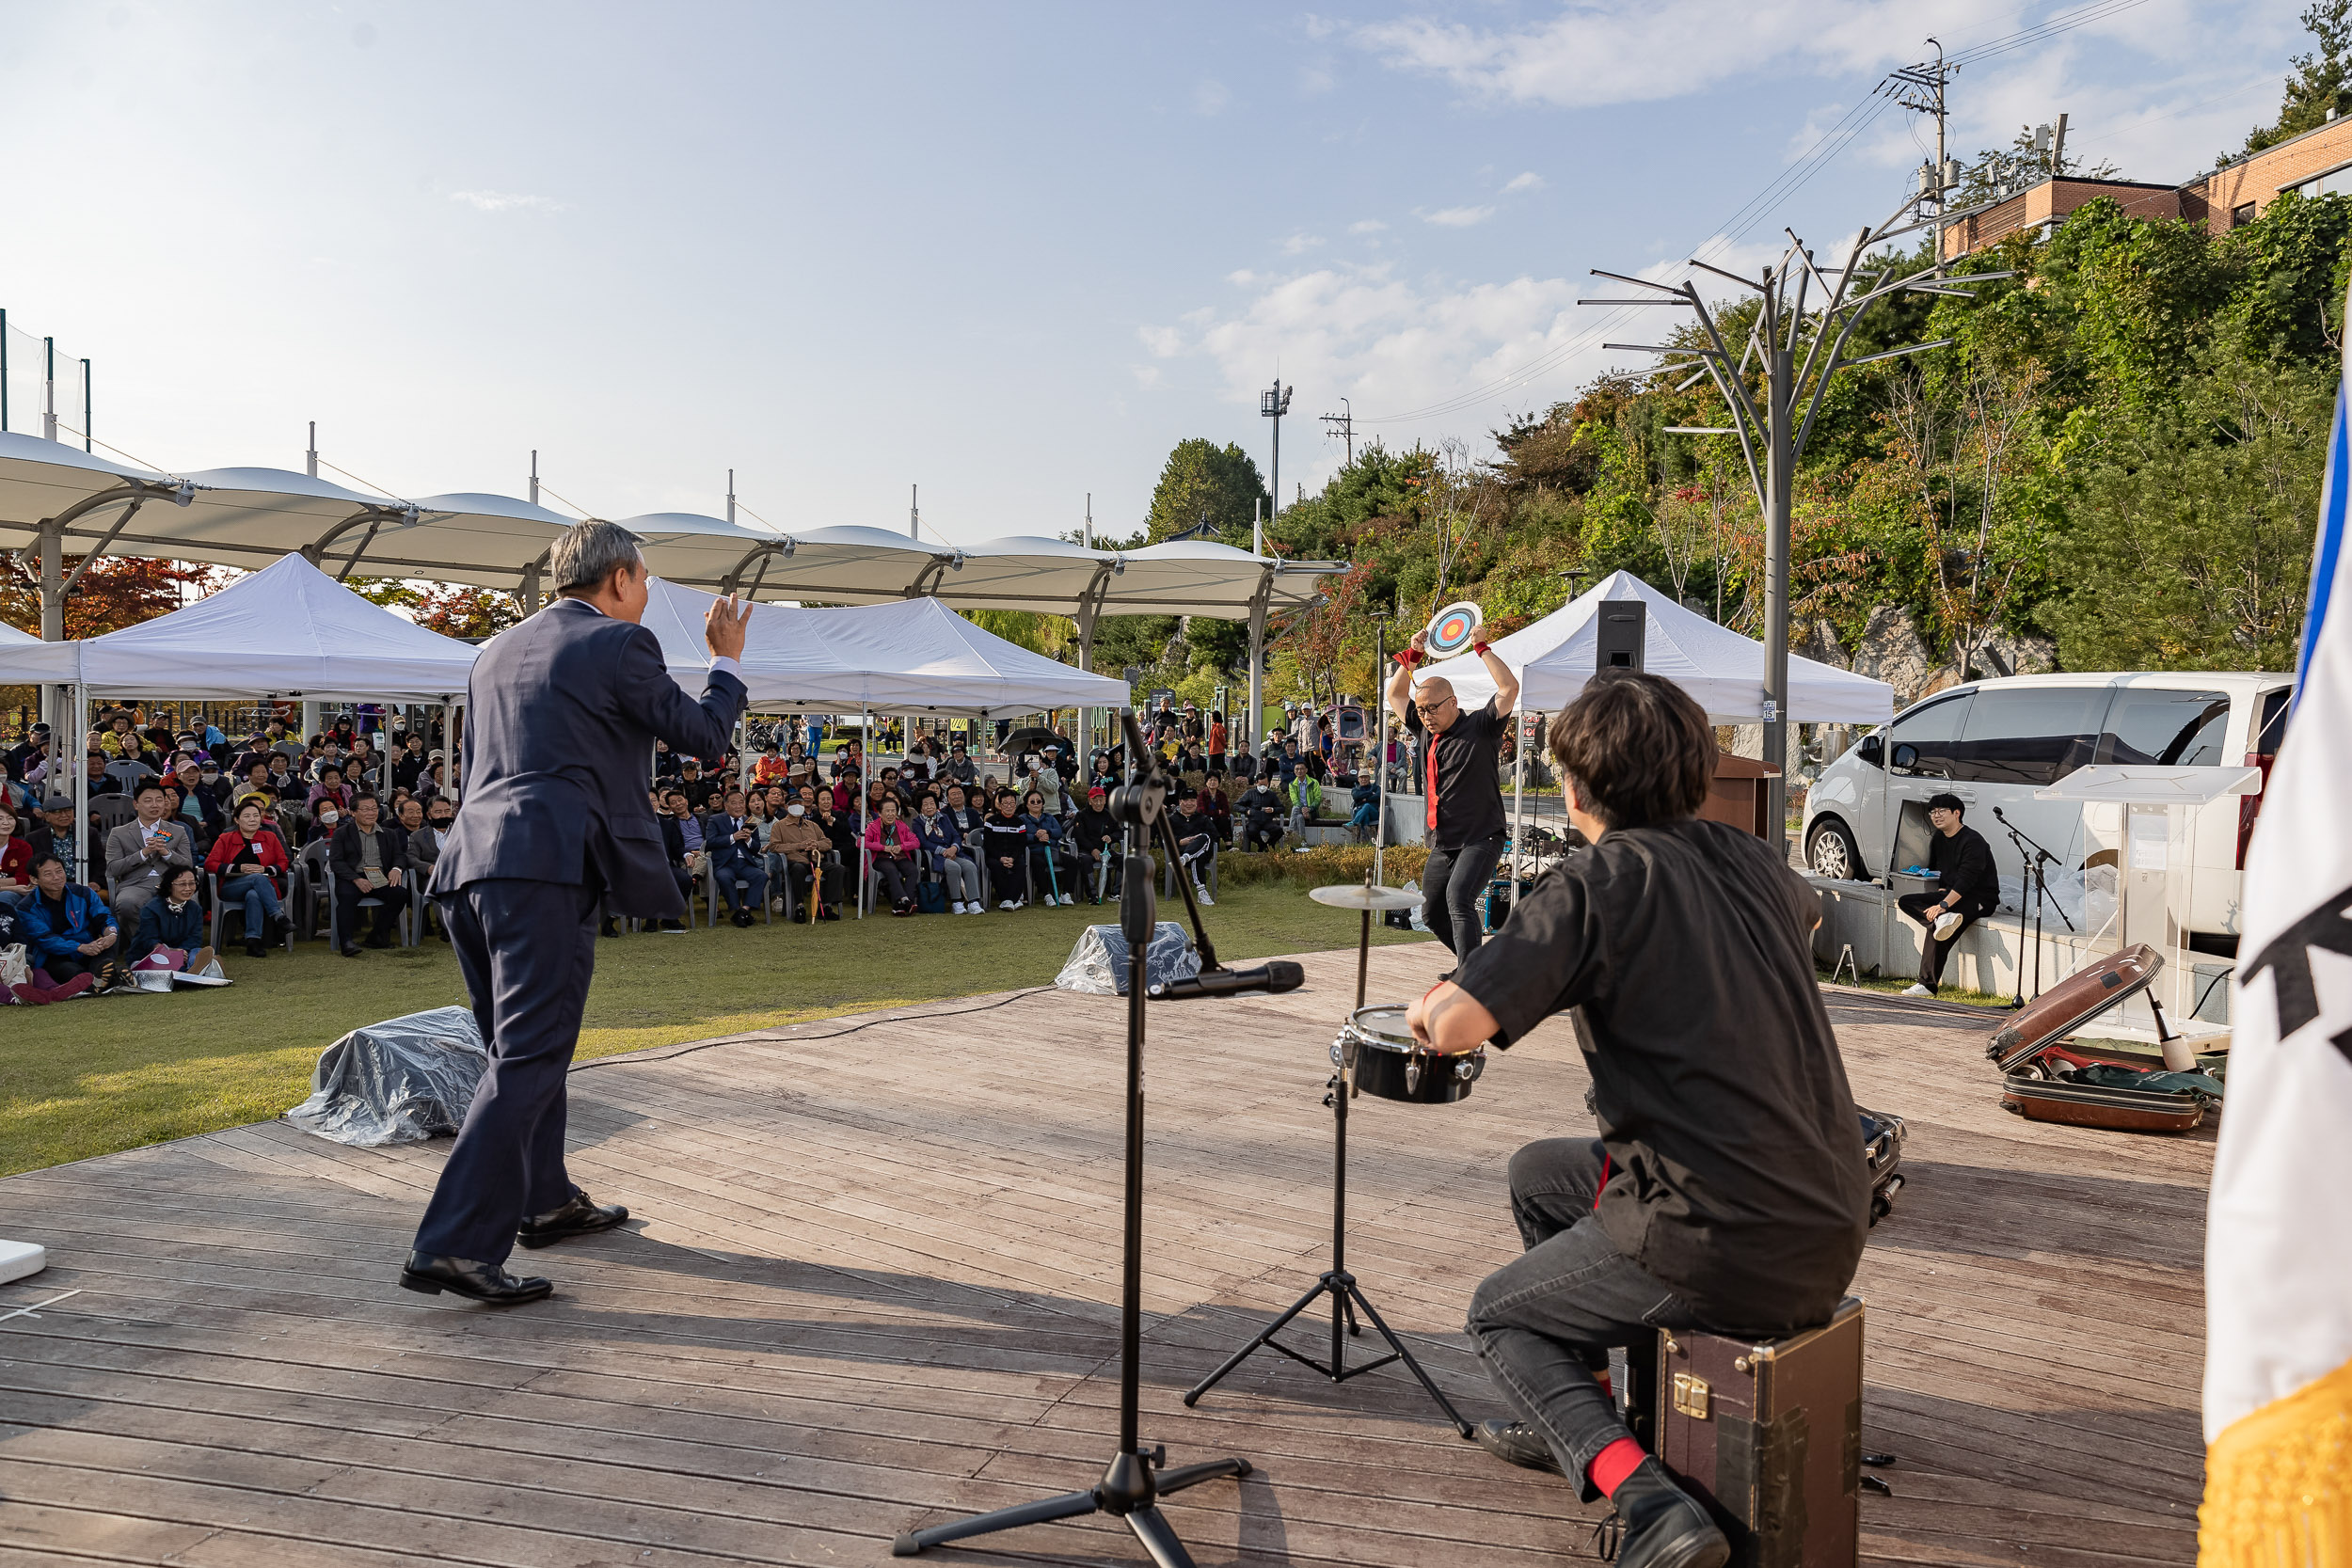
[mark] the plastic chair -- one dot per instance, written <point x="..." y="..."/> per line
<point x="310" y="886"/>
<point x="221" y="913"/>
<point x="1168" y="877"/>
<point x="405" y="921"/>
<point x="711" y="890"/>
<point x="113" y="811"/>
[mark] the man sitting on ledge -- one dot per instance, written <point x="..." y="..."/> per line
<point x="1727" y="1190"/>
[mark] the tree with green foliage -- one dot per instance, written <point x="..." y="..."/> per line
<point x="2321" y="88"/>
<point x="1205" y="484"/>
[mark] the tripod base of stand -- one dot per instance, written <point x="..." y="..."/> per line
<point x="1347" y="1296"/>
<point x="1128" y="1489"/>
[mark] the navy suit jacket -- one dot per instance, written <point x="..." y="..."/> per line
<point x="562" y="715"/>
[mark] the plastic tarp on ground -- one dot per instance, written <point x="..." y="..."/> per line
<point x="399" y="1082"/>
<point x="1722" y="671"/>
<point x="286" y="630"/>
<point x="911" y="656"/>
<point x="1098" y="964"/>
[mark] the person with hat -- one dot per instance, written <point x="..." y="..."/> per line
<point x="25" y="754"/>
<point x="1967" y="888"/>
<point x="51" y="831"/>
<point x="1094" y="840"/>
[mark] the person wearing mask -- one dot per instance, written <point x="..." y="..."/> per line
<point x="1094" y="842"/>
<point x="197" y="806"/>
<point x="891" y="850"/>
<point x="848" y="763"/>
<point x="424" y="828"/>
<point x="1258" y="813"/>
<point x="251" y="863"/>
<point x="1047" y="783"/>
<point x="71" y="937"/>
<point x="139" y="851"/>
<point x="1007" y="840"/>
<point x="1195" y="846"/>
<point x="364" y="860"/>
<point x="942" y="846"/>
<point x="171" y="927"/>
<point x="798" y="847"/>
<point x="324" y="822"/>
<point x="1051" y="874"/>
<point x="736" y="857"/>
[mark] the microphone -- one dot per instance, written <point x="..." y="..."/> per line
<point x="1279" y="976"/>
<point x="1999" y="813"/>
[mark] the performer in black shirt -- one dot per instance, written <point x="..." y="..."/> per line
<point x="1727" y="1189"/>
<point x="1967" y="888"/>
<point x="1462" y="788"/>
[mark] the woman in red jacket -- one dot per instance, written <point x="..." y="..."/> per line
<point x="893" y="847"/>
<point x="251" y="860"/>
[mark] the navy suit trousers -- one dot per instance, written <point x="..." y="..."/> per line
<point x="527" y="950"/>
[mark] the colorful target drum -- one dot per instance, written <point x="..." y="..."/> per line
<point x="1452" y="628"/>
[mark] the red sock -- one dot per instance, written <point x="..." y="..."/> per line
<point x="1615" y="1463"/>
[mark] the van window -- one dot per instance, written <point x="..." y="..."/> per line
<point x="2029" y="735"/>
<point x="1934" y="729"/>
<point x="2183" y="728"/>
<point x="2271" y="727"/>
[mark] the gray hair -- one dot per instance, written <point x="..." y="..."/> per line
<point x="590" y="553"/>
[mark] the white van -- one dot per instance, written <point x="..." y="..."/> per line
<point x="1995" y="742"/>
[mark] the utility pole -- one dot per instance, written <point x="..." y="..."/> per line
<point x="1921" y="88"/>
<point x="1343" y="426"/>
<point x="1274" y="404"/>
<point x="2058" y="150"/>
<point x="534" y="475"/>
<point x="1777" y="415"/>
<point x="311" y="458"/>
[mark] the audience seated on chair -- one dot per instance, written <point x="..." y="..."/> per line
<point x="738" y="861"/>
<point x="139" y="852"/>
<point x="947" y="857"/>
<point x="1195" y="846"/>
<point x="364" y="859"/>
<point x="1096" y="846"/>
<point x="250" y="860"/>
<point x="801" y="848"/>
<point x="1258" y="817"/>
<point x="1005" y="838"/>
<point x="895" y="853"/>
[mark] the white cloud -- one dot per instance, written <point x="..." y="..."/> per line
<point x="1164" y="342"/>
<point x="1392" y="346"/>
<point x="503" y="201"/>
<point x="1531" y="180"/>
<point x="1366" y="226"/>
<point x="1456" y="217"/>
<point x="1210" y="97"/>
<point x="1316" y="79"/>
<point x="1147" y="376"/>
<point x="1298" y="244"/>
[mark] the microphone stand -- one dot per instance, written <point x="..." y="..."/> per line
<point x="2034" y="861"/>
<point x="1132" y="1486"/>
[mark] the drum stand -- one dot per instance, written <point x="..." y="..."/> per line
<point x="1132" y="1486"/>
<point x="1336" y="1282"/>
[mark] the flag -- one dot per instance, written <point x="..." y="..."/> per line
<point x="2277" y="1395"/>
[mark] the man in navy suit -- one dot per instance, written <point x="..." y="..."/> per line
<point x="563" y="712"/>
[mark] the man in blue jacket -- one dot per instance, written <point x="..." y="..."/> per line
<point x="736" y="846"/>
<point x="554" y="820"/>
<point x="70" y="929"/>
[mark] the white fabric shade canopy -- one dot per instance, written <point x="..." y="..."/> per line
<point x="11" y="638"/>
<point x="909" y="655"/>
<point x="288" y="630"/>
<point x="1722" y="671"/>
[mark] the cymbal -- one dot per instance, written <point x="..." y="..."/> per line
<point x="1352" y="896"/>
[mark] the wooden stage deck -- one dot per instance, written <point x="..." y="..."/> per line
<point x="873" y="1286"/>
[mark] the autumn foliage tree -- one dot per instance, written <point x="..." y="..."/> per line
<point x="117" y="591"/>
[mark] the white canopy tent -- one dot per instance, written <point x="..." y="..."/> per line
<point x="11" y="638"/>
<point x="288" y="630"/>
<point x="1722" y="671"/>
<point x="907" y="656"/>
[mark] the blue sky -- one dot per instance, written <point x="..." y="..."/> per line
<point x="1010" y="253"/>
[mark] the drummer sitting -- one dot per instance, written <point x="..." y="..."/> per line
<point x="1727" y="1190"/>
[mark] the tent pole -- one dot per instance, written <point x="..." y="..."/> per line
<point x="1380" y="758"/>
<point x="81" y="784"/>
<point x="866" y="745"/>
<point x="1518" y="804"/>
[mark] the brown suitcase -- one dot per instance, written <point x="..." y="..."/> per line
<point x="2094" y="1105"/>
<point x="1768" y="1436"/>
<point x="2024" y="1049"/>
<point x="2072" y="1002"/>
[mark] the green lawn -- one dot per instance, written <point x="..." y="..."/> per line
<point x="89" y="1077"/>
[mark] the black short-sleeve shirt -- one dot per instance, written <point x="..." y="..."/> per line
<point x="1470" y="792"/>
<point x="1737" y="1173"/>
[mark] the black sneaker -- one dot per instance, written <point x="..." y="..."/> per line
<point x="1664" y="1526"/>
<point x="1516" y="1443"/>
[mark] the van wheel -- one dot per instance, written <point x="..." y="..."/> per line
<point x="1831" y="852"/>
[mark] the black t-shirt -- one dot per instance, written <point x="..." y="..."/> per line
<point x="1737" y="1173"/>
<point x="1962" y="864"/>
<point x="1470" y="792"/>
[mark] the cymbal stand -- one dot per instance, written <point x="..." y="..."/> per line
<point x="1132" y="1486"/>
<point x="1336" y="1282"/>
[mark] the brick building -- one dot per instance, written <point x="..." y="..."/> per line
<point x="2316" y="162"/>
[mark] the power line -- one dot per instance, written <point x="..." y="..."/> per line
<point x="1825" y="149"/>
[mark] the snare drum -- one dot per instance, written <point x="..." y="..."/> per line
<point x="1381" y="1055"/>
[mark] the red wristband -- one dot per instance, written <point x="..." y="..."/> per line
<point x="1410" y="656"/>
<point x="1480" y="647"/>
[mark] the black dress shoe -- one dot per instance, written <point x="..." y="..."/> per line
<point x="430" y="1276"/>
<point x="610" y="927"/>
<point x="255" y="950"/>
<point x="1665" y="1526"/>
<point x="1516" y="1443"/>
<point x="350" y="950"/>
<point x="582" y="1217"/>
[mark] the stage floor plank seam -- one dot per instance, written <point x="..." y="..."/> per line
<point x="871" y="1284"/>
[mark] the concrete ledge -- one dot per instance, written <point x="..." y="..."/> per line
<point x="1886" y="943"/>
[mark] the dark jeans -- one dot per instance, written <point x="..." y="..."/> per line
<point x="527" y="951"/>
<point x="897" y="879"/>
<point x="1050" y="872"/>
<point x="382" y="921"/>
<point x="1543" y="1323"/>
<point x="1450" y="886"/>
<point x="1007" y="881"/>
<point x="828" y="887"/>
<point x="1931" y="952"/>
<point x="60" y="970"/>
